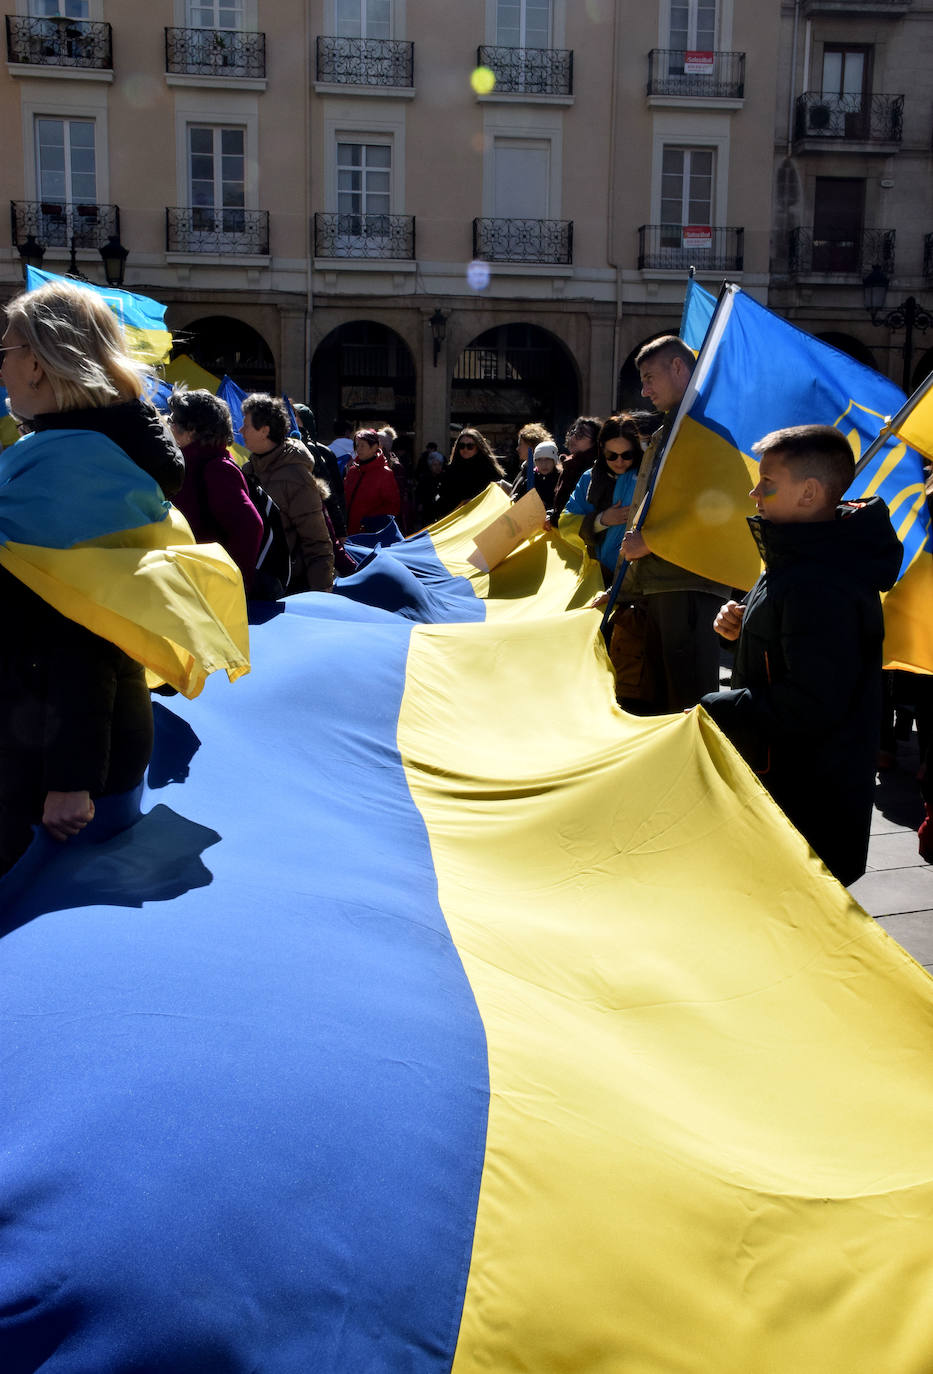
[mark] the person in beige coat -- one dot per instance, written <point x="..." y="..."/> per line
<point x="284" y="468"/>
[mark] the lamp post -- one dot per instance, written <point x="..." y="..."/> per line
<point x="438" y="323"/>
<point x="31" y="253"/>
<point x="909" y="315"/>
<point x="114" y="256"/>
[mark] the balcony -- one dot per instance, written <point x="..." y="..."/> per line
<point x="677" y="247"/>
<point x="696" y="75"/>
<point x="529" y="71"/>
<point x="60" y="225"/>
<point x="877" y="9"/>
<point x="834" y="121"/>
<point x="59" y="42"/>
<point x="543" y="241"/>
<point x="383" y="62"/>
<point x="215" y="52"/>
<point x="364" y="236"/>
<point x="841" y="253"/>
<point x="206" y="229"/>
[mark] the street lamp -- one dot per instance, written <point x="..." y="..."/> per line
<point x="114" y="257"/>
<point x="31" y="253"/>
<point x="438" y="323"/>
<point x="909" y="315"/>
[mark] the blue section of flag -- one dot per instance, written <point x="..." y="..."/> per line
<point x="766" y="374"/>
<point x="268" y="1095"/>
<point x="234" y="396"/>
<point x="63" y="486"/>
<point x="699" y="307"/>
<point x="134" y="312"/>
<point x="158" y="392"/>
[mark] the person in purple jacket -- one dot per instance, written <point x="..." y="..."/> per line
<point x="214" y="498"/>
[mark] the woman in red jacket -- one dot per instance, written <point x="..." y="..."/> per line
<point x="369" y="486"/>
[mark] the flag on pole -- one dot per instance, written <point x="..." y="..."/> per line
<point x="758" y="373"/>
<point x="143" y="319"/>
<point x="699" y="308"/>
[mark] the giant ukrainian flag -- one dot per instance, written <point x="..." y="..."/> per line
<point x="142" y="318"/>
<point x="91" y="533"/>
<point x="438" y="1016"/>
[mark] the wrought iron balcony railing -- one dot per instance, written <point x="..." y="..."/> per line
<point x="209" y="229"/>
<point x="60" y="225"/>
<point x="215" y="52"/>
<point x="364" y="236"/>
<point x="850" y="118"/>
<point x="529" y="71"/>
<point x="366" y="61"/>
<point x="673" y="71"/>
<point x="59" y="42"/>
<point x="548" y="241"/>
<point x="675" y="247"/>
<point x="840" y="254"/>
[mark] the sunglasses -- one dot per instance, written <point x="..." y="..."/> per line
<point x="466" y="443"/>
<point x="614" y="457"/>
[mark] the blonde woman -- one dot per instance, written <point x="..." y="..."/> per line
<point x="75" y="715"/>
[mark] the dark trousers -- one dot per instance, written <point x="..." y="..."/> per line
<point x="687" y="647"/>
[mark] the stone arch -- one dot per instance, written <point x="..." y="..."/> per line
<point x="511" y="374"/>
<point x="224" y="344"/>
<point x="363" y="371"/>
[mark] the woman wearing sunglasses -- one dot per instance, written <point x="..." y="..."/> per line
<point x="603" y="495"/>
<point x="472" y="467"/>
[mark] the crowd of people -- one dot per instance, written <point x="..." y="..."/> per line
<point x="805" y="706"/>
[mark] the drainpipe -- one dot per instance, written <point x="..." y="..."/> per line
<point x="610" y="220"/>
<point x="793" y="73"/>
<point x="309" y="230"/>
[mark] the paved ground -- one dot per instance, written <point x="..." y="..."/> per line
<point x="898" y="887"/>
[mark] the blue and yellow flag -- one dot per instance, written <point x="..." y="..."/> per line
<point x="458" y="1023"/>
<point x="143" y="319"/>
<point x="757" y="373"/>
<point x="699" y="308"/>
<point x="90" y="532"/>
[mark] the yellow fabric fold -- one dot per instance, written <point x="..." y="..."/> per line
<point x="711" y="1093"/>
<point x="175" y="606"/>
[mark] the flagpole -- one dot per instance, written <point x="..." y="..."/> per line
<point x="710" y="343"/>
<point x="890" y="426"/>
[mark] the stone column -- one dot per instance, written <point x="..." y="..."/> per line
<point x="432" y="419"/>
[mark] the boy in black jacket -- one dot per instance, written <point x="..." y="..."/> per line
<point x="805" y="705"/>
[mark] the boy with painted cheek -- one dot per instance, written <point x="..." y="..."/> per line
<point x="804" y="709"/>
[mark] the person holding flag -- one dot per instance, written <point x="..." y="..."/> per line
<point x="679" y="605"/>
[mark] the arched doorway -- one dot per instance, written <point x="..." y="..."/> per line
<point x="363" y="372"/>
<point x="225" y="345"/>
<point x="510" y="376"/>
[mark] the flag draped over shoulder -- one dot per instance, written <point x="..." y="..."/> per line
<point x="497" y="1030"/>
<point x="90" y="532"/>
<point x="142" y="318"/>
<point x="757" y="373"/>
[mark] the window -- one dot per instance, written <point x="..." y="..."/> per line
<point x="686" y="193"/>
<point x="215" y="14"/>
<point x="364" y="19"/>
<point x="71" y="9"/>
<point x="66" y="162"/>
<point x="364" y="188"/>
<point x="217" y="179"/>
<point x="693" y="25"/>
<point x="523" y="23"/>
<point x="838" y="221"/>
<point x="522" y="178"/>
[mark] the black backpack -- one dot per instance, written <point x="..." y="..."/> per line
<point x="273" y="563"/>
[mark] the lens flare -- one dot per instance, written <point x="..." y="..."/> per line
<point x="483" y="80"/>
<point x="478" y="275"/>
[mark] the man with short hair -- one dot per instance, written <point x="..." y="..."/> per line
<point x="679" y="604"/>
<point x="284" y="468"/>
